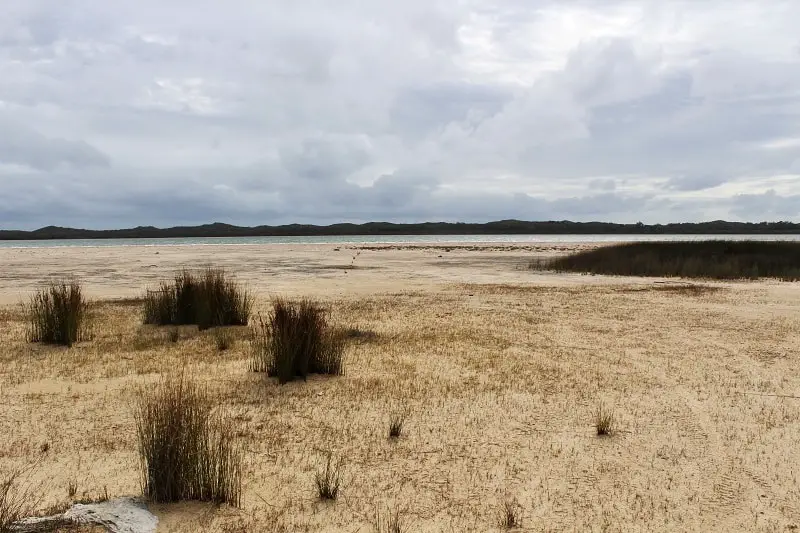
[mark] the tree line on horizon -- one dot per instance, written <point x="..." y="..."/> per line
<point x="501" y="227"/>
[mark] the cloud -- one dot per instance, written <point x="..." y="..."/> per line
<point x="767" y="205"/>
<point x="299" y="111"/>
<point x="694" y="183"/>
<point x="21" y="145"/>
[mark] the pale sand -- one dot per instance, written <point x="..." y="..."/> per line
<point x="502" y="370"/>
<point x="325" y="270"/>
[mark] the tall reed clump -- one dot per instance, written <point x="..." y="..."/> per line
<point x="186" y="452"/>
<point x="58" y="314"/>
<point x="296" y="340"/>
<point x="208" y="298"/>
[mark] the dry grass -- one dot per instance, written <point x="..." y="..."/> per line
<point x="185" y="453"/>
<point x="502" y="381"/>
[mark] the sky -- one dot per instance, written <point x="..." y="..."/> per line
<point x="171" y="112"/>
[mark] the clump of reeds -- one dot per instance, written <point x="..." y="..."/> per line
<point x="209" y="298"/>
<point x="296" y="340"/>
<point x="58" y="314"/>
<point x="185" y="451"/>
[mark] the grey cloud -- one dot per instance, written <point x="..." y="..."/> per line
<point x="422" y="110"/>
<point x="295" y="111"/>
<point x="694" y="183"/>
<point x="21" y="145"/>
<point x="766" y="206"/>
<point x="325" y="158"/>
<point x="603" y="184"/>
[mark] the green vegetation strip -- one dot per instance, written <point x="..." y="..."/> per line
<point x="697" y="259"/>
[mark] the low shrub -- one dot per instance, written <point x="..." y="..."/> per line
<point x="58" y="314"/>
<point x="185" y="452"/>
<point x="296" y="340"/>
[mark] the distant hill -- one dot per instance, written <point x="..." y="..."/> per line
<point x="500" y="227"/>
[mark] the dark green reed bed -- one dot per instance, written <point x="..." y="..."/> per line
<point x="713" y="259"/>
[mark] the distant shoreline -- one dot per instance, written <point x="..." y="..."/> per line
<point x="502" y="227"/>
<point x="381" y="242"/>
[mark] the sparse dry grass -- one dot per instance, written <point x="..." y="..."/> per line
<point x="502" y="381"/>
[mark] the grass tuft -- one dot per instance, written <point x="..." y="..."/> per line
<point x="223" y="339"/>
<point x="16" y="501"/>
<point x="296" y="341"/>
<point x="509" y="515"/>
<point x="695" y="259"/>
<point x="58" y="314"/>
<point x="174" y="335"/>
<point x="208" y="298"/>
<point x="185" y="452"/>
<point x="328" y="481"/>
<point x="391" y="522"/>
<point x="603" y="421"/>
<point x="396" y="422"/>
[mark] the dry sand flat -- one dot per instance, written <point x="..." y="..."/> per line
<point x="502" y="370"/>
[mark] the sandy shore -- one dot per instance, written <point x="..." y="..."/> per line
<point x="111" y="272"/>
<point x="501" y="368"/>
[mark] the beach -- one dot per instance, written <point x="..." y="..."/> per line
<point x="312" y="269"/>
<point x="501" y="369"/>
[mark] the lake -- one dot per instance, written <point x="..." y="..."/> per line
<point x="381" y="239"/>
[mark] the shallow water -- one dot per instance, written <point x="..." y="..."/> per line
<point x="381" y="239"/>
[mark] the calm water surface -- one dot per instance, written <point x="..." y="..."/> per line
<point x="383" y="239"/>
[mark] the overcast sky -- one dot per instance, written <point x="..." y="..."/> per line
<point x="165" y="112"/>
